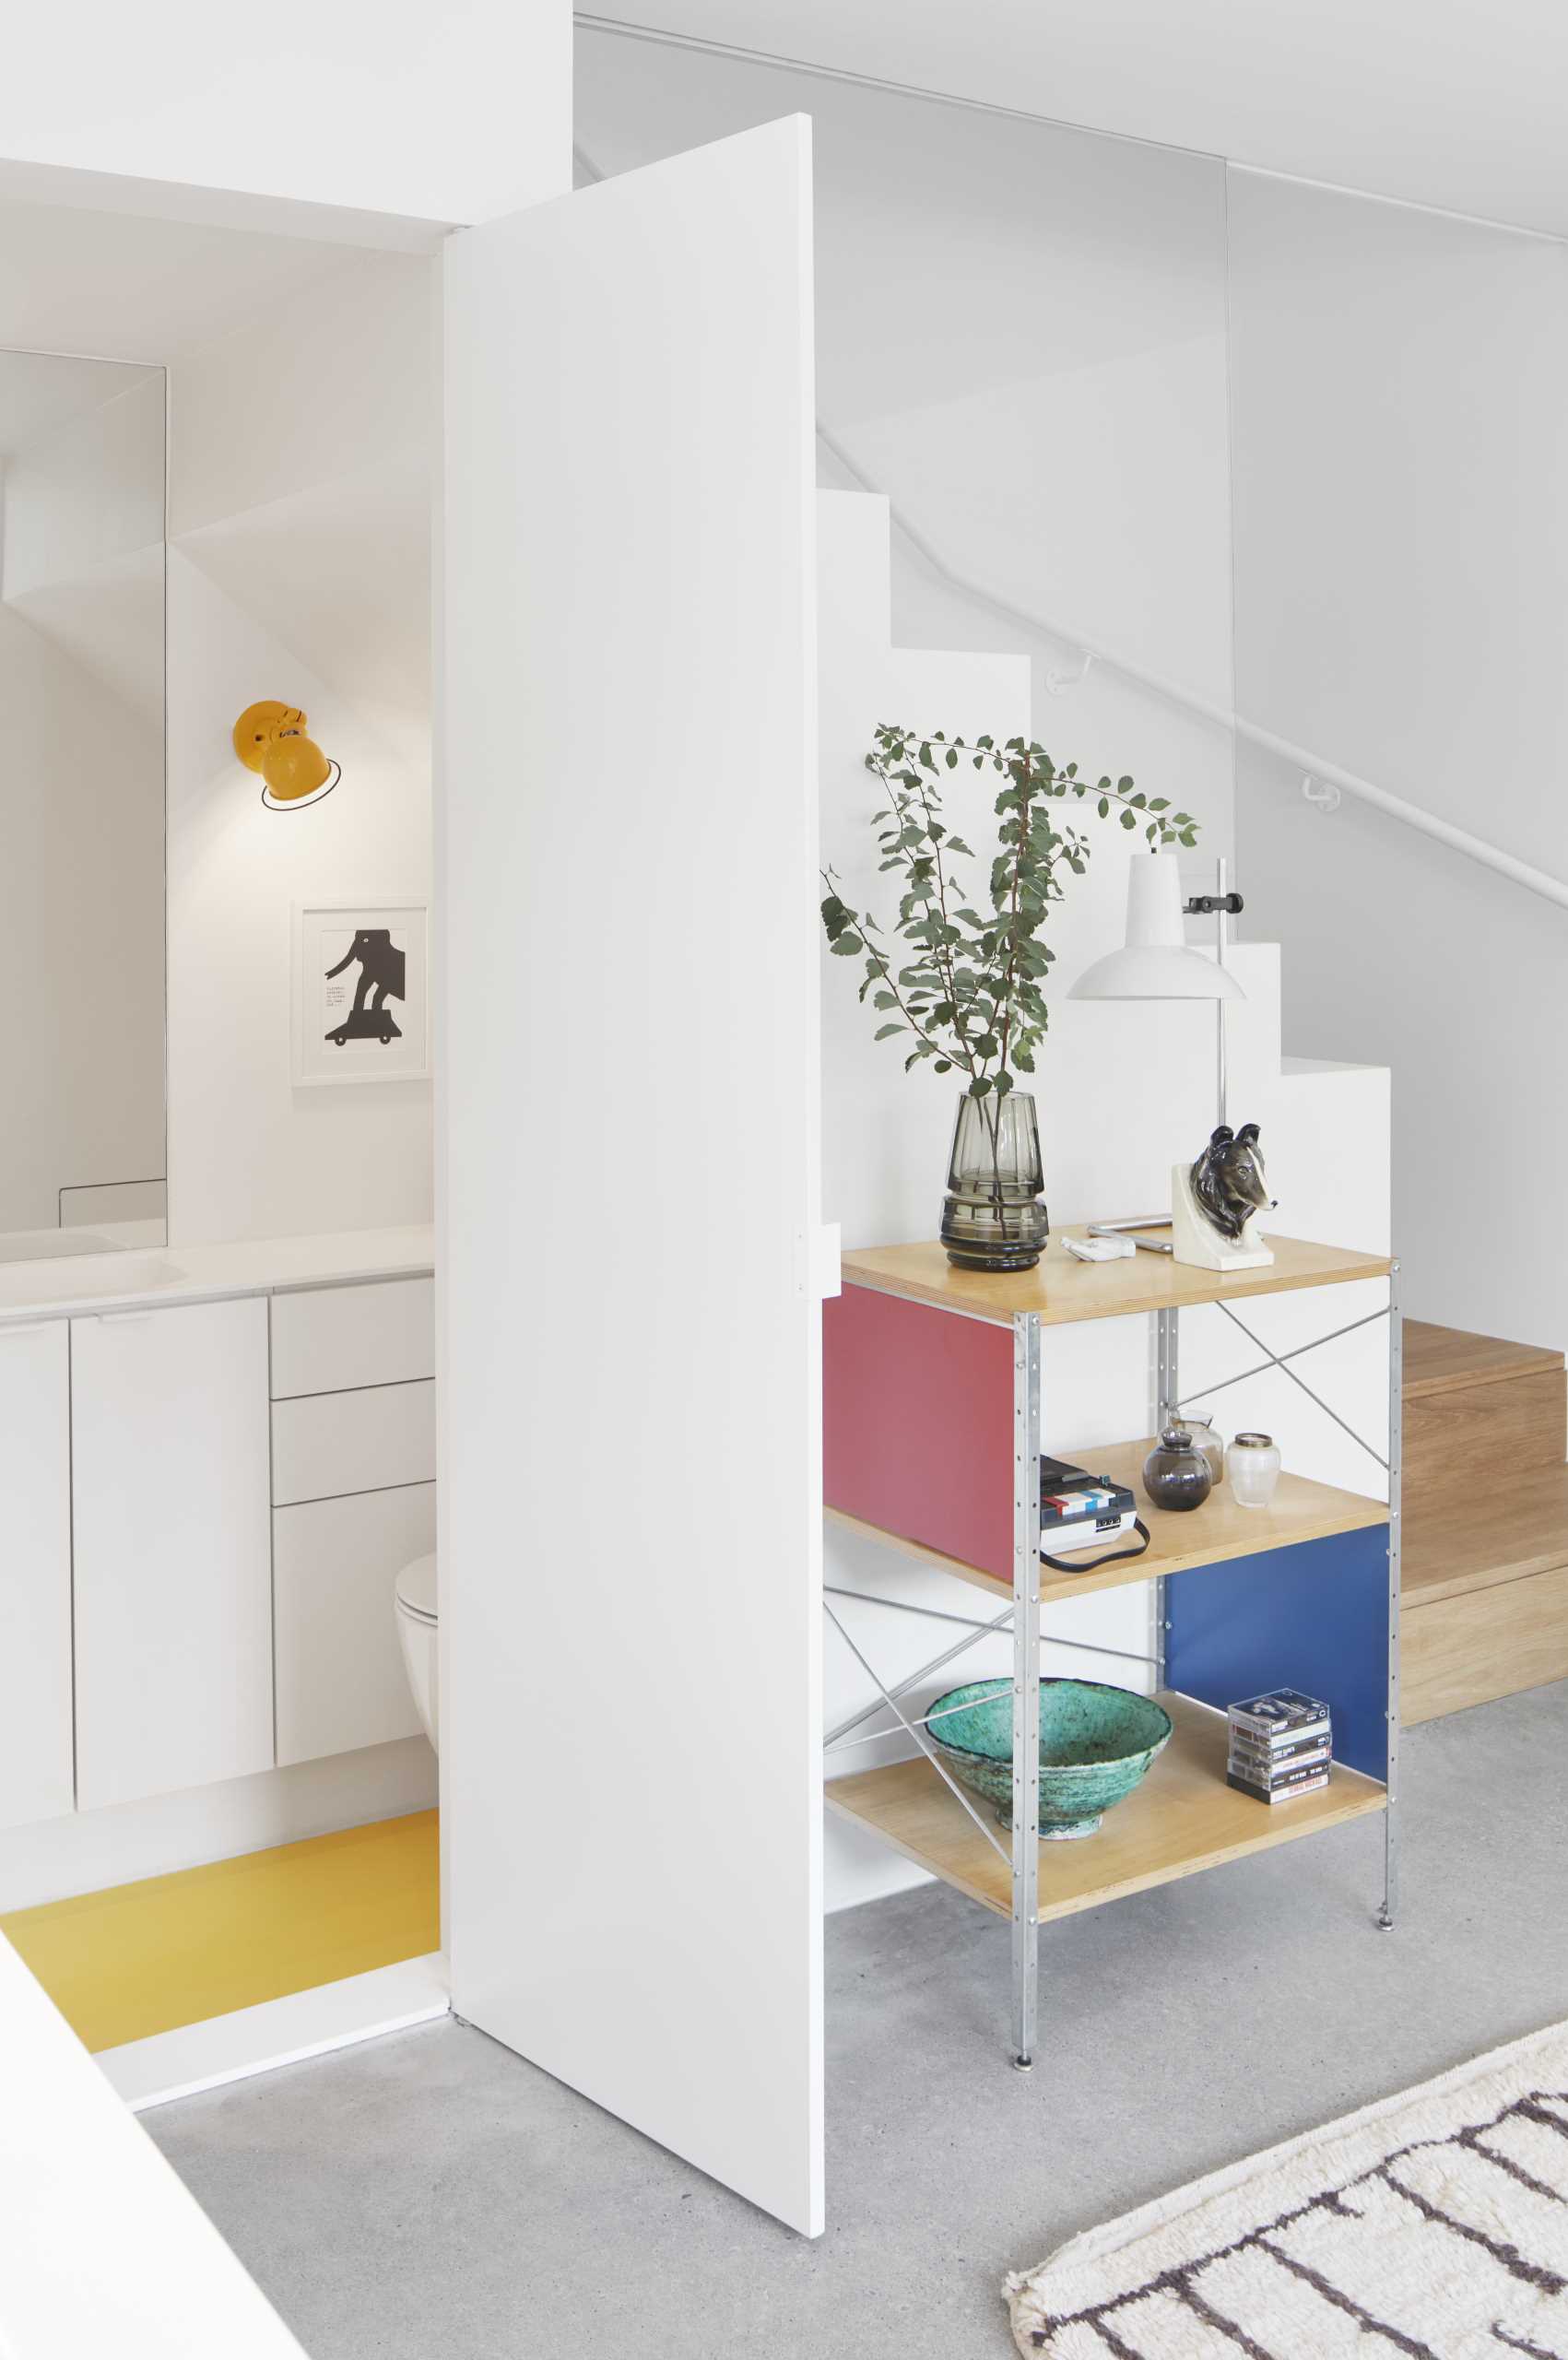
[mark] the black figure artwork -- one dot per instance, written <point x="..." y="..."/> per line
<point x="1228" y="1180"/>
<point x="382" y="975"/>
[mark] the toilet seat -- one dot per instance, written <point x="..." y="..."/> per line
<point x="417" y="1590"/>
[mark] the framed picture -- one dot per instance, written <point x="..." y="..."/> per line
<point x="362" y="999"/>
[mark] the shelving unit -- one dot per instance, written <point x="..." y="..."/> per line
<point x="932" y="1442"/>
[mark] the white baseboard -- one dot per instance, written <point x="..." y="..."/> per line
<point x="84" y="1851"/>
<point x="279" y="2032"/>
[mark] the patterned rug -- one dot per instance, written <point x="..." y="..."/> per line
<point x="1434" y="2224"/>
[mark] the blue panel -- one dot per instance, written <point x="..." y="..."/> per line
<point x="1313" y="1617"/>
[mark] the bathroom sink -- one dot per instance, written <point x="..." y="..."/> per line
<point x="73" y="1279"/>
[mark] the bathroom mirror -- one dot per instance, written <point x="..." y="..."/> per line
<point x="82" y="1162"/>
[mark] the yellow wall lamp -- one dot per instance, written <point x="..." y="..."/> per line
<point x="270" y="739"/>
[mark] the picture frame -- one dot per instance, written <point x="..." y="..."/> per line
<point x="360" y="992"/>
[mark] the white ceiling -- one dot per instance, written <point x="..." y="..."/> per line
<point x="1456" y="104"/>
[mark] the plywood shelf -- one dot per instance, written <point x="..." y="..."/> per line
<point x="1210" y="1535"/>
<point x="1061" y="1291"/>
<point x="1181" y="1819"/>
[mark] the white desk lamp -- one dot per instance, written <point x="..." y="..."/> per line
<point x="1155" y="962"/>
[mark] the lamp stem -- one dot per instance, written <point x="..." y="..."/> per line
<point x="1220" y="896"/>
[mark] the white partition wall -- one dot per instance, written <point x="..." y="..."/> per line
<point x="630" y="1481"/>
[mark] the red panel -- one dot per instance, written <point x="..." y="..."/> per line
<point x="918" y="1424"/>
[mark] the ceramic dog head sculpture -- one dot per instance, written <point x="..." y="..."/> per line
<point x="1228" y="1180"/>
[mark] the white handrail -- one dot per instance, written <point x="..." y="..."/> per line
<point x="1312" y="766"/>
<point x="1520" y="872"/>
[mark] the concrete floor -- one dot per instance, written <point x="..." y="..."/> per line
<point x="431" y="2195"/>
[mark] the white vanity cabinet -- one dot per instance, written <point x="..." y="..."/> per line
<point x="36" y="1777"/>
<point x="174" y="1576"/>
<point x="353" y="1489"/>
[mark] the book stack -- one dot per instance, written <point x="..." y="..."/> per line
<point x="1282" y="1745"/>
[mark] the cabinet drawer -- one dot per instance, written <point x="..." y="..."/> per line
<point x="340" y="1677"/>
<point x="333" y="1340"/>
<point x="327" y="1443"/>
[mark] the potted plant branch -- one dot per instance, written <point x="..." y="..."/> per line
<point x="964" y="979"/>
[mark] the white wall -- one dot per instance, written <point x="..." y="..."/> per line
<point x="81" y="757"/>
<point x="1401" y="517"/>
<point x="455" y="114"/>
<point x="301" y="481"/>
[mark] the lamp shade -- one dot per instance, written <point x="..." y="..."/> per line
<point x="270" y="738"/>
<point x="1155" y="962"/>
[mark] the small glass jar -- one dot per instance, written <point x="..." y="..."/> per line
<point x="1255" y="1469"/>
<point x="1176" y="1474"/>
<point x="1210" y="1442"/>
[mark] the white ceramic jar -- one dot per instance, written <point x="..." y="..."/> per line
<point x="1254" y="1463"/>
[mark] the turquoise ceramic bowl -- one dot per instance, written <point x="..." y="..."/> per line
<point x="1095" y="1744"/>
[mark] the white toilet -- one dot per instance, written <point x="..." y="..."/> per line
<point x="416" y="1627"/>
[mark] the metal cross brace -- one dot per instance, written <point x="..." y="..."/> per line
<point x="937" y="1663"/>
<point x="910" y="1729"/>
<point x="1279" y="1361"/>
<point x="938" y="1614"/>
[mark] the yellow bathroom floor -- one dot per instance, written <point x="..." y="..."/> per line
<point x="138" y="1959"/>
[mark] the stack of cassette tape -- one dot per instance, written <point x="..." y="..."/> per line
<point x="1282" y="1745"/>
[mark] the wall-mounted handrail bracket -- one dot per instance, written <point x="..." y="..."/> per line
<point x="1061" y="682"/>
<point x="1321" y="793"/>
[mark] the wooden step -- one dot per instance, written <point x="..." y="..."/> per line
<point x="1437" y="1360"/>
<point x="1470" y="1647"/>
<point x="1475" y="1401"/>
<point x="1454" y="1544"/>
<point x="1484" y="1571"/>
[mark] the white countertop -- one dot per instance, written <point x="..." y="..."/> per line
<point x="79" y="1283"/>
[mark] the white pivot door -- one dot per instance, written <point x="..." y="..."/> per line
<point x="630" y="1462"/>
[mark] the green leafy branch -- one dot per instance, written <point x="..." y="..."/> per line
<point x="970" y="989"/>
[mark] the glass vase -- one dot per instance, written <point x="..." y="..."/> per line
<point x="993" y="1218"/>
<point x="1209" y="1440"/>
<point x="1177" y="1474"/>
